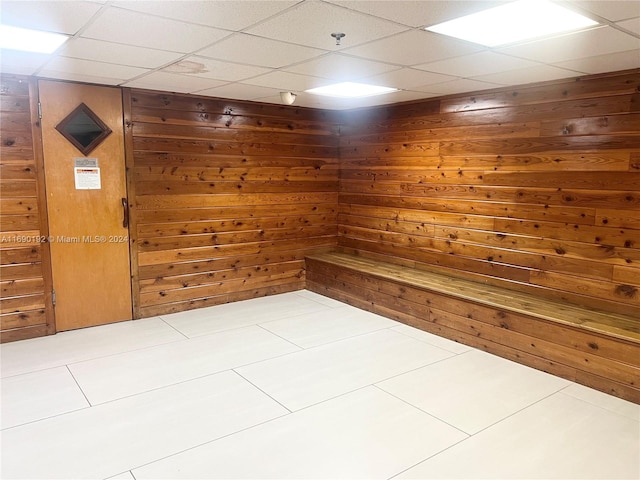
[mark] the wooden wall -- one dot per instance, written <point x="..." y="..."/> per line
<point x="226" y="198"/>
<point x="535" y="188"/>
<point x="25" y="300"/>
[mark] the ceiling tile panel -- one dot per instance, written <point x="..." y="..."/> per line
<point x="316" y="101"/>
<point x="413" y="48"/>
<point x="407" y="78"/>
<point x="528" y="75"/>
<point x="341" y="67"/>
<point x="604" y="63"/>
<point x="612" y="10"/>
<point x="228" y="15"/>
<point x="285" y="81"/>
<point x="241" y="91"/>
<point x="171" y="82"/>
<point x="86" y="71"/>
<point x="633" y="25"/>
<point x="73" y="66"/>
<point x="460" y="85"/>
<point x="589" y="43"/>
<point x="133" y="28"/>
<point x="312" y="22"/>
<point x="207" y="68"/>
<point x="117" y="53"/>
<point x="252" y="50"/>
<point x="419" y="13"/>
<point x="482" y="63"/>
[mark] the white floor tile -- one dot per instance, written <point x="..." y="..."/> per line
<point x="78" y="345"/>
<point x="345" y="426"/>
<point x="34" y="396"/>
<point x="427" y="337"/>
<point x="311" y="376"/>
<point x="365" y="434"/>
<point x="109" y="439"/>
<point x="316" y="297"/>
<point x="560" y="437"/>
<point x="241" y="314"/>
<point x="602" y="400"/>
<point x="122" y="476"/>
<point x="118" y="376"/>
<point x="473" y="390"/>
<point x="313" y="329"/>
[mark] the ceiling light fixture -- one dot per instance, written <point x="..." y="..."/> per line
<point x="513" y="22"/>
<point x="288" y="97"/>
<point x="351" y="90"/>
<point x="25" y="40"/>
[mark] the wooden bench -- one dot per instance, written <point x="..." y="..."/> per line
<point x="595" y="348"/>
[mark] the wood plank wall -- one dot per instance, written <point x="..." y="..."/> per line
<point x="25" y="303"/>
<point x="226" y="197"/>
<point x="535" y="188"/>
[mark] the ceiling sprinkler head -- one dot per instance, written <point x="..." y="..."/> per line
<point x="338" y="36"/>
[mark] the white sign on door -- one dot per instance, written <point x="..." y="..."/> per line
<point x="87" y="174"/>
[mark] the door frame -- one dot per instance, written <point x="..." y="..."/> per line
<point x="131" y="199"/>
<point x="41" y="188"/>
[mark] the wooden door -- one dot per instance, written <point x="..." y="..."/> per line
<point x="86" y="208"/>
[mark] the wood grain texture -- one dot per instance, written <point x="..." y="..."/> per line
<point x="226" y="197"/>
<point x="532" y="188"/>
<point x="541" y="180"/>
<point x="25" y="308"/>
<point x="594" y="347"/>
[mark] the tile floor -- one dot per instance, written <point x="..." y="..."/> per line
<point x="296" y="386"/>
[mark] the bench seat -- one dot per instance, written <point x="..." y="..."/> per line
<point x="596" y="348"/>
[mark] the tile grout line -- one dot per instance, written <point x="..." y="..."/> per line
<point x="286" y="317"/>
<point x="562" y="392"/>
<point x="225" y="435"/>
<point x="137" y="349"/>
<point x="179" y="341"/>
<point x="469" y="435"/>
<point x="259" y="325"/>
<point x="342" y="304"/>
<point x="30" y="422"/>
<point x="199" y="377"/>
<point x="172" y="327"/>
<point x="257" y="387"/>
<point x="206" y="443"/>
<point x="432" y="344"/>
<point x="453" y="355"/>
<point x="88" y="406"/>
<point x="520" y="410"/>
<point x="79" y="387"/>
<point x="348" y="337"/>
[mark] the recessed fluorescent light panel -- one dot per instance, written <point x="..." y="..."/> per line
<point x="351" y="90"/>
<point x="513" y="22"/>
<point x="25" y="40"/>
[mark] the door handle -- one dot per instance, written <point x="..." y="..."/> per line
<point x="125" y="213"/>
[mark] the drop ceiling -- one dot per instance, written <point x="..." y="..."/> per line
<point x="253" y="50"/>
